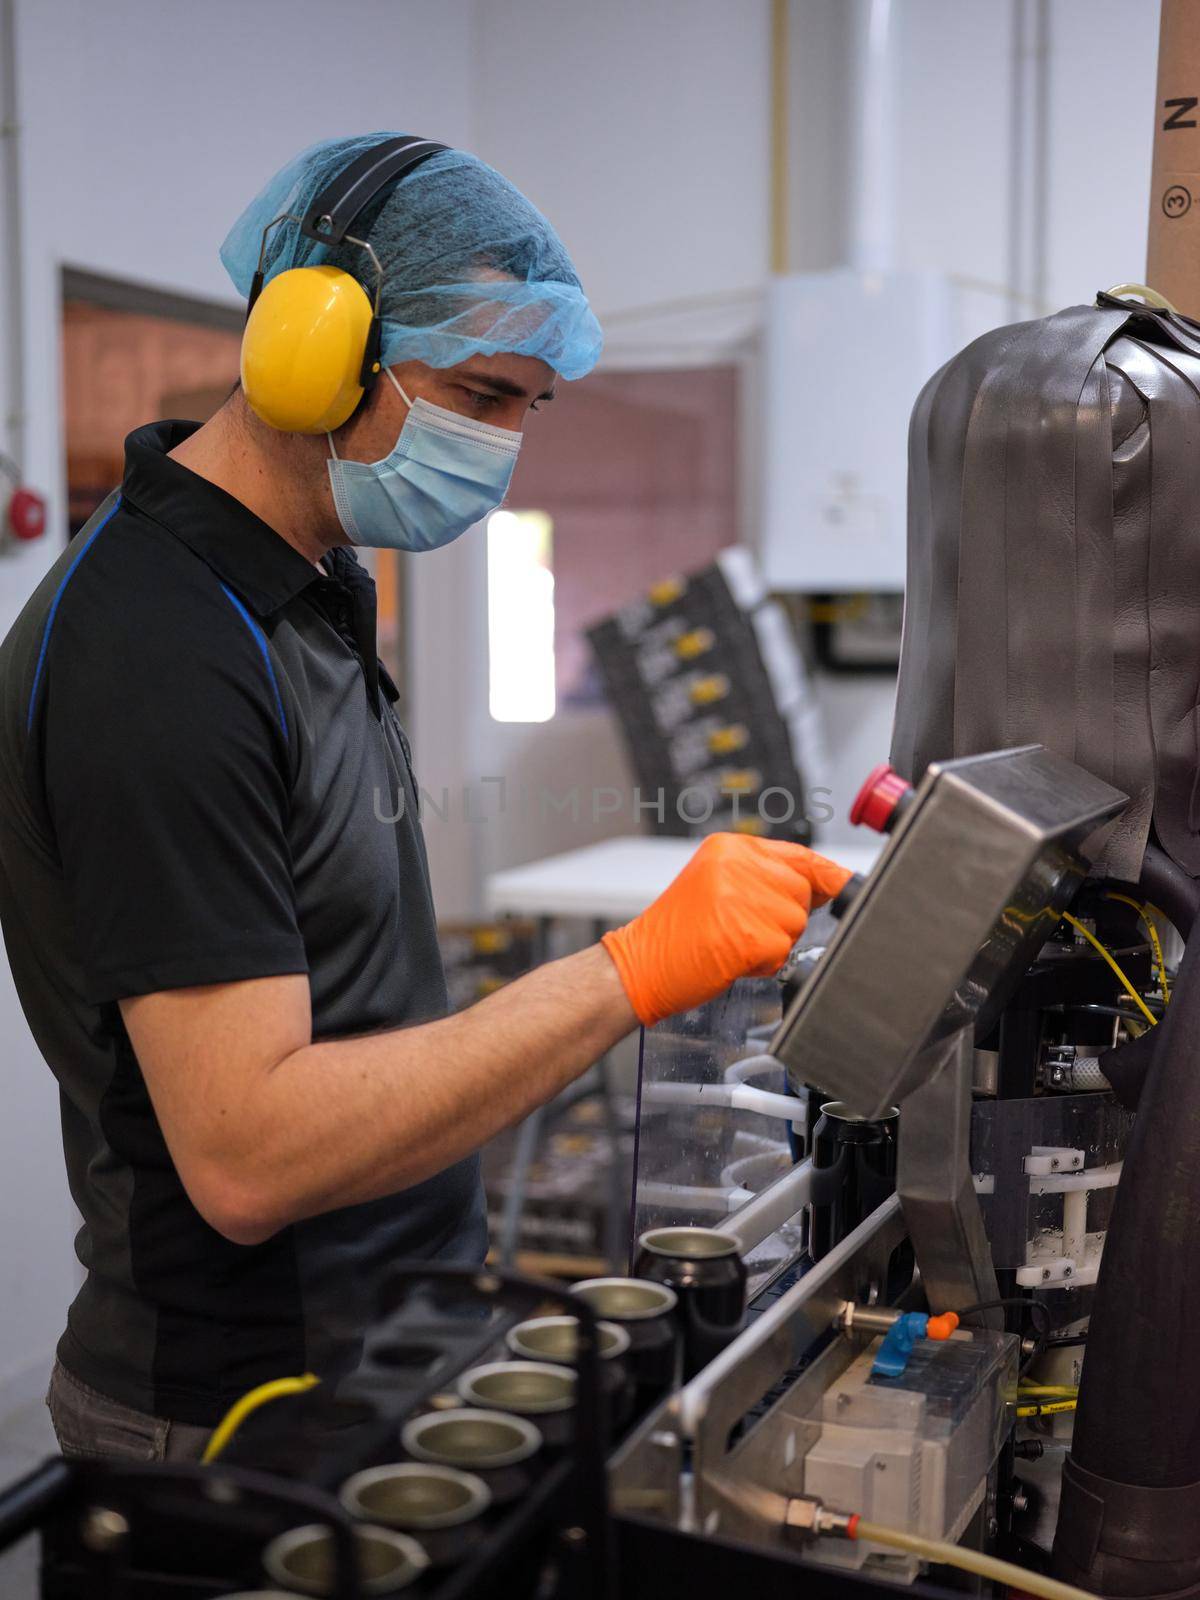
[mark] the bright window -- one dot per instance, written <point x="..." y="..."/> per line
<point x="520" y="617"/>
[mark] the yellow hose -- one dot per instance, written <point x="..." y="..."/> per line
<point x="241" y="1409"/>
<point x="1122" y="291"/>
<point x="1099" y="948"/>
<point x="1151" y="927"/>
<point x="953" y="1555"/>
<point x="1047" y="1408"/>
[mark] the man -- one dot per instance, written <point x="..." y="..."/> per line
<point x="227" y="959"/>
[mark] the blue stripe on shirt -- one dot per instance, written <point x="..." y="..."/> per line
<point x="260" y="640"/>
<point x="54" y="604"/>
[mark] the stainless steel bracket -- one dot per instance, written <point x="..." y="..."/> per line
<point x="937" y="1188"/>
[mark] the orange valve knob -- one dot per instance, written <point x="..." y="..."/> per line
<point x="942" y="1327"/>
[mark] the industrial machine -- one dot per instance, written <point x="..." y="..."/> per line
<point x="953" y="993"/>
<point x="918" y="1121"/>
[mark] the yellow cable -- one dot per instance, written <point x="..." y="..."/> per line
<point x="241" y="1409"/>
<point x="1059" y="1389"/>
<point x="953" y="1555"/>
<point x="1147" y="917"/>
<point x="1047" y="1408"/>
<point x="1096" y="945"/>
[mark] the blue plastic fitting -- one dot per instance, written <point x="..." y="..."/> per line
<point x="892" y="1356"/>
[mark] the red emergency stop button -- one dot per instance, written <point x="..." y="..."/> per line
<point x="26" y="514"/>
<point x="881" y="799"/>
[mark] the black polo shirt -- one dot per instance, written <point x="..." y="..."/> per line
<point x="202" y="780"/>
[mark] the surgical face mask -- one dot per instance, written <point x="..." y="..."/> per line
<point x="444" y="473"/>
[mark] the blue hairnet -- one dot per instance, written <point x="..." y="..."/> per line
<point x="470" y="267"/>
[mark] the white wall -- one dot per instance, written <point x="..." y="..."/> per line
<point x="146" y="125"/>
<point x="1103" y="66"/>
<point x="641" y="131"/>
<point x="955" y="62"/>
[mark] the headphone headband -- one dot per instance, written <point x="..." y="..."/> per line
<point x="344" y="199"/>
<point x="333" y="211"/>
<point x="334" y="386"/>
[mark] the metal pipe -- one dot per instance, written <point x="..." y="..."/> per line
<point x="872" y="244"/>
<point x="692" y="1197"/>
<point x="853" y="1318"/>
<point x="750" y="1066"/>
<point x="759" y="1218"/>
<point x="14" y="276"/>
<point x="731" y="1096"/>
<point x="1016" y="158"/>
<point x="779" y="135"/>
<point x="1028" y="155"/>
<point x="1038" y="225"/>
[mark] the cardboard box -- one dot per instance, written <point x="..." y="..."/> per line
<point x="1173" y="256"/>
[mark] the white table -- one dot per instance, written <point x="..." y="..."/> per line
<point x="610" y="881"/>
<point x="614" y="880"/>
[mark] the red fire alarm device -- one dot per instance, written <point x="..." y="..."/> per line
<point x="24" y="515"/>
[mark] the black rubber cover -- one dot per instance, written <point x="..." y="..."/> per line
<point x="1053" y="591"/>
<point x="1128" y="1066"/>
<point x="1137" y="1429"/>
<point x="1118" y="1540"/>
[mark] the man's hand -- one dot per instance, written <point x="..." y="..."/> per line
<point x="734" y="911"/>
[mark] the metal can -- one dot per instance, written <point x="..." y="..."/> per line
<point x="648" y="1313"/>
<point x="854" y="1170"/>
<point x="303" y="1560"/>
<point x="444" y="1506"/>
<point x="554" y="1339"/>
<point x="704" y="1268"/>
<point x="540" y="1389"/>
<point x="494" y="1445"/>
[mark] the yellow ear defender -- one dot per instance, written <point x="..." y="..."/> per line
<point x="302" y="351"/>
<point x="311" y="345"/>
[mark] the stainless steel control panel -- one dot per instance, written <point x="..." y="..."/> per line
<point x="977" y="871"/>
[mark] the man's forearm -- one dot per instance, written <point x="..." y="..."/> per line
<point x="350" y="1120"/>
<point x="266" y="1127"/>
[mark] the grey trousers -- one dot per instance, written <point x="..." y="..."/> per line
<point x="90" y="1424"/>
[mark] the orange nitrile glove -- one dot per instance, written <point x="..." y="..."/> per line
<point x="734" y="911"/>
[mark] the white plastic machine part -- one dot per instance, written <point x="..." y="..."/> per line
<point x="1066" y="1257"/>
<point x="912" y="1452"/>
<point x="1048" y="1266"/>
<point x="838" y="345"/>
<point x="1044" y="1159"/>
